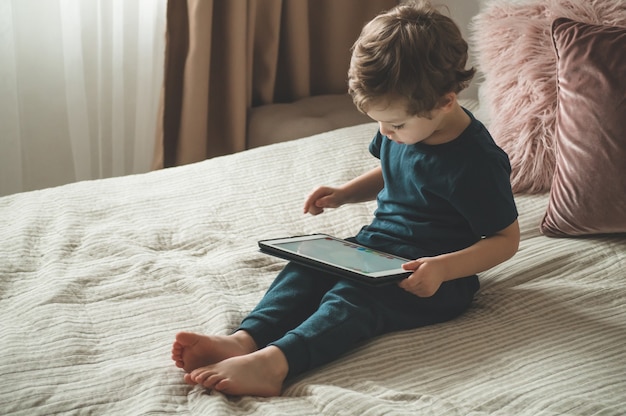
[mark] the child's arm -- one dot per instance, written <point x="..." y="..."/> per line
<point x="360" y="189"/>
<point x="431" y="272"/>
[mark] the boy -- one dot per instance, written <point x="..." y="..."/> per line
<point x="444" y="199"/>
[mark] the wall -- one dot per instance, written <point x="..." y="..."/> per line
<point x="462" y="12"/>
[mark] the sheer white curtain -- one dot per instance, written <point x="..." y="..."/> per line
<point x="79" y="88"/>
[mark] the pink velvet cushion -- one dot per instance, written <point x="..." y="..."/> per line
<point x="514" y="51"/>
<point x="588" y="194"/>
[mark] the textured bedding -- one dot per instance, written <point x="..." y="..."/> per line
<point x="97" y="277"/>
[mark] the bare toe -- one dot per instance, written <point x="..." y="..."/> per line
<point x="261" y="373"/>
<point x="191" y="351"/>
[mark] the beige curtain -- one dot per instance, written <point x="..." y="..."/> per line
<point x="225" y="56"/>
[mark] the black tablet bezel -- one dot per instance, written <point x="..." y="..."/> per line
<point x="266" y="247"/>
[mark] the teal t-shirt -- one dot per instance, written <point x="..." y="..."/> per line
<point x="442" y="198"/>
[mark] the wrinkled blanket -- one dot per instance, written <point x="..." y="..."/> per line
<point x="97" y="277"/>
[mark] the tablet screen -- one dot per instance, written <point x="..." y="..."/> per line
<point x="342" y="253"/>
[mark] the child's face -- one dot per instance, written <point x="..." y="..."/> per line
<point x="397" y="125"/>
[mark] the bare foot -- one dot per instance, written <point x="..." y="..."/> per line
<point x="191" y="351"/>
<point x="260" y="373"/>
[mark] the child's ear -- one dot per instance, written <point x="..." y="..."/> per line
<point x="446" y="103"/>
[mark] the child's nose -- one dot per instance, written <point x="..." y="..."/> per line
<point x="384" y="130"/>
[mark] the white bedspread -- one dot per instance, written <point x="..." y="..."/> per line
<point x="97" y="277"/>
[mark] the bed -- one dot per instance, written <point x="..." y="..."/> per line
<point x="97" y="277"/>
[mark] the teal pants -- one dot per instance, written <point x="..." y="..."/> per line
<point x="314" y="319"/>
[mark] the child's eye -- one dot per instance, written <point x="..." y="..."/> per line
<point x="397" y="127"/>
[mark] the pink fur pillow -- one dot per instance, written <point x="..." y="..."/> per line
<point x="514" y="51"/>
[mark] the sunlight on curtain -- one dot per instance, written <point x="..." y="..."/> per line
<point x="79" y="89"/>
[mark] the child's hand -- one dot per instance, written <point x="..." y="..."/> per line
<point x="428" y="274"/>
<point x="320" y="198"/>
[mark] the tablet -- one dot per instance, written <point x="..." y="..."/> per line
<point x="339" y="257"/>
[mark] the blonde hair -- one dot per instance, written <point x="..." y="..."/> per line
<point x="411" y="51"/>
